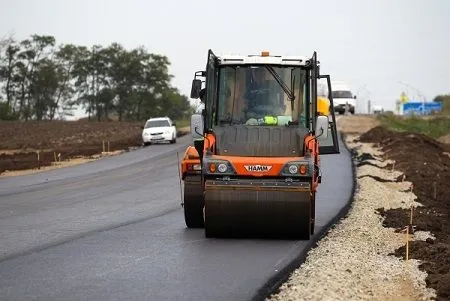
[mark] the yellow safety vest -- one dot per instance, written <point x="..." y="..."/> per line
<point x="270" y="120"/>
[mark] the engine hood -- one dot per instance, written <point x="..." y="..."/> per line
<point x="259" y="141"/>
<point x="156" y="130"/>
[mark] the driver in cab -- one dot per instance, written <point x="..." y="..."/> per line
<point x="264" y="98"/>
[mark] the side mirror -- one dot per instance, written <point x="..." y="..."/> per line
<point x="197" y="127"/>
<point x="196" y="87"/>
<point x="354" y="96"/>
<point x="142" y="127"/>
<point x="174" y="124"/>
<point x="322" y="127"/>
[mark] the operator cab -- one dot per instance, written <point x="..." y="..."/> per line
<point x="254" y="101"/>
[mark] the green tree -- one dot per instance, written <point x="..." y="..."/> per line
<point x="40" y="79"/>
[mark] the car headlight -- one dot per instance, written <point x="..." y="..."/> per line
<point x="167" y="132"/>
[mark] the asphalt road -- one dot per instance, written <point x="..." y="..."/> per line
<point x="114" y="229"/>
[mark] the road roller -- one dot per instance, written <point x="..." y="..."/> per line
<point x="254" y="166"/>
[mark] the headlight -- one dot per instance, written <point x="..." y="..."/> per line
<point x="293" y="169"/>
<point x="167" y="132"/>
<point x="296" y="168"/>
<point x="222" y="167"/>
<point x="219" y="167"/>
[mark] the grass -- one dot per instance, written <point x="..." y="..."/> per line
<point x="182" y="123"/>
<point x="434" y="127"/>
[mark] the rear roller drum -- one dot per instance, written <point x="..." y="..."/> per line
<point x="193" y="202"/>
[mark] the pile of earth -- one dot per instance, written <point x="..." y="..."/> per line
<point x="426" y="163"/>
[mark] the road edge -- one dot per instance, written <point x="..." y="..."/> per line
<point x="275" y="282"/>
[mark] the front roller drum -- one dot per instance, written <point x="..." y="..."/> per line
<point x="193" y="202"/>
<point x="274" y="210"/>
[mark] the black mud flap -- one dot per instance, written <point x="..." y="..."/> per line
<point x="264" y="210"/>
<point x="193" y="202"/>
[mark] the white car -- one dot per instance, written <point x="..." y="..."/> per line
<point x="161" y="129"/>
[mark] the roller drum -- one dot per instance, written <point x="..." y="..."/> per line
<point x="259" y="208"/>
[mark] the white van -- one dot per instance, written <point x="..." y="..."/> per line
<point x="342" y="97"/>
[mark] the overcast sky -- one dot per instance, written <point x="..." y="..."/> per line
<point x="371" y="44"/>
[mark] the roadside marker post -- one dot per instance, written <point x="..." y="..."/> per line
<point x="407" y="243"/>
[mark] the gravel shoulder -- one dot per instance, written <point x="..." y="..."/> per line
<point x="357" y="258"/>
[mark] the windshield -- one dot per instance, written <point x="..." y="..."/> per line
<point x="252" y="95"/>
<point x="342" y="94"/>
<point x="156" y="123"/>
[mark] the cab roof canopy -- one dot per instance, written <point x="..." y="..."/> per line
<point x="263" y="58"/>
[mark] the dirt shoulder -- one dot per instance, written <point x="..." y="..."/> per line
<point x="30" y="147"/>
<point x="425" y="163"/>
<point x="363" y="257"/>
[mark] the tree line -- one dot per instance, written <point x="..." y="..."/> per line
<point x="445" y="101"/>
<point x="40" y="80"/>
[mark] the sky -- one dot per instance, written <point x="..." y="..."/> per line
<point x="378" y="47"/>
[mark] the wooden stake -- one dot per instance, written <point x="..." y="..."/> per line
<point x="108" y="146"/>
<point x="411" y="216"/>
<point x="407" y="243"/>
<point x="103" y="142"/>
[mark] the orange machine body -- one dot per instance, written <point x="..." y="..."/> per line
<point x="190" y="164"/>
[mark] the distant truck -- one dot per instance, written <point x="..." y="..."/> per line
<point x="377" y="109"/>
<point x="343" y="97"/>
